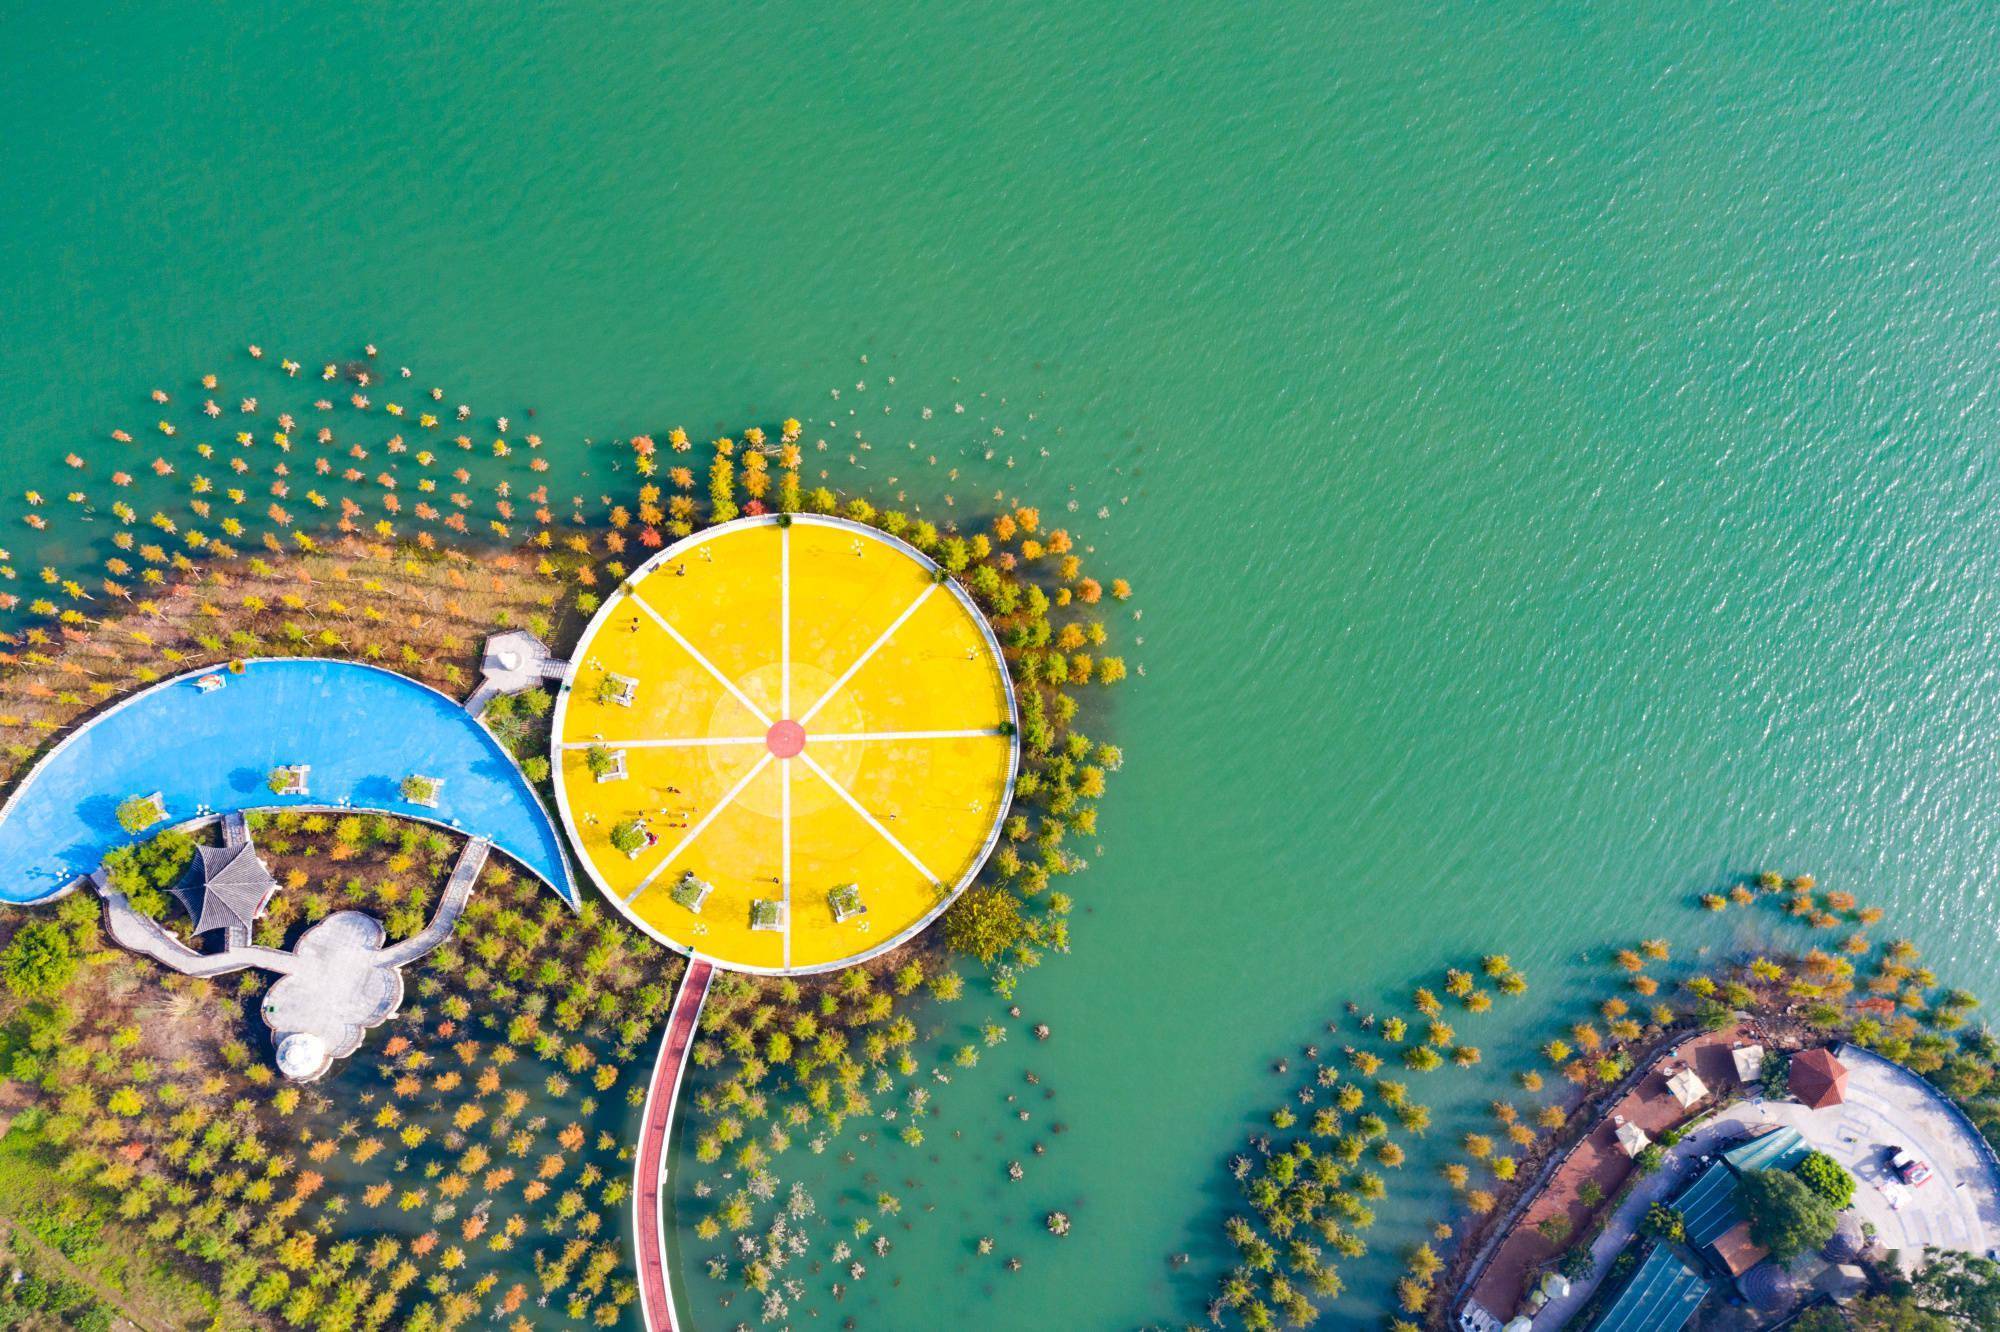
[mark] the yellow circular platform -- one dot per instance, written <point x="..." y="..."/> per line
<point x="812" y="731"/>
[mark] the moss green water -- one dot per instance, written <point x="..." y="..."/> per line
<point x="1559" y="443"/>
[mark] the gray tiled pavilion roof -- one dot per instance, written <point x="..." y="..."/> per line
<point x="225" y="888"/>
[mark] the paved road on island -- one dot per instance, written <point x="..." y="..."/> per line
<point x="656" y="1301"/>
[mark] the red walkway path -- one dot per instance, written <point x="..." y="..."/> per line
<point x="656" y="1301"/>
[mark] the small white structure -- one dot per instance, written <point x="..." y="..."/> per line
<point x="1555" y="1285"/>
<point x="516" y="659"/>
<point x="846" y="903"/>
<point x="209" y="683"/>
<point x="691" y="892"/>
<point x="511" y="662"/>
<point x="290" y="779"/>
<point x="614" y="771"/>
<point x="1686" y="1087"/>
<point x="1522" y="1324"/>
<point x="619" y="689"/>
<point x="1749" y="1061"/>
<point x="302" y="1056"/>
<point x="155" y="808"/>
<point x="1474" y="1317"/>
<point x="1632" y="1138"/>
<point x="767" y="914"/>
<point x="419" y="789"/>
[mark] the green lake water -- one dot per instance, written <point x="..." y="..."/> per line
<point x="1554" y="446"/>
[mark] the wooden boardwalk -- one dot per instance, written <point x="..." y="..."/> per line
<point x="656" y="1299"/>
<point x="451" y="905"/>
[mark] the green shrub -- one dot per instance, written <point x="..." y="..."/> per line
<point x="1786" y="1216"/>
<point x="138" y="813"/>
<point x="1826" y="1177"/>
<point x="986" y="922"/>
<point x="1664" y="1222"/>
<point x="40" y="961"/>
<point x="143" y="871"/>
<point x="628" y="836"/>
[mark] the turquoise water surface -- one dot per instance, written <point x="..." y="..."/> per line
<point x="1556" y="448"/>
<point x="359" y="729"/>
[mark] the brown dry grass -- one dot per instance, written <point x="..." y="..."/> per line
<point x="424" y="614"/>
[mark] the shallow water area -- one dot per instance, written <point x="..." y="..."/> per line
<point x="359" y="1088"/>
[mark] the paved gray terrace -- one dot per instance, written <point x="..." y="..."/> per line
<point x="337" y="984"/>
<point x="1888" y="1106"/>
<point x="511" y="662"/>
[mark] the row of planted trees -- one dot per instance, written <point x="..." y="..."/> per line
<point x="345" y="450"/>
<point x="424" y="615"/>
<point x="1312" y="1180"/>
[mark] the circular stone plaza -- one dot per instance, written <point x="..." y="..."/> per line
<point x="786" y="744"/>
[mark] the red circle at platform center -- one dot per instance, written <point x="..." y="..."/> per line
<point x="786" y="739"/>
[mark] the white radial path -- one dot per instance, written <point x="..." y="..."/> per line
<point x="868" y="818"/>
<point x="872" y="649"/>
<point x="785" y="641"/>
<point x="785" y="845"/>
<point x="727" y="800"/>
<point x="706" y="664"/>
<point x="820" y="738"/>
<point x="785" y="764"/>
<point x="972" y="733"/>
<point x="785" y="710"/>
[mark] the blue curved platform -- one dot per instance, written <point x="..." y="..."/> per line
<point x="210" y="752"/>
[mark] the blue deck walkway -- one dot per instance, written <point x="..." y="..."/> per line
<point x="362" y="730"/>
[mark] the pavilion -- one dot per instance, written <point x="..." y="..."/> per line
<point x="1686" y="1087"/>
<point x="1632" y="1138"/>
<point x="226" y="888"/>
<point x="1817" y="1079"/>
